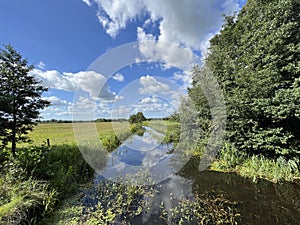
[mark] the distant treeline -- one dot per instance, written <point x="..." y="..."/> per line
<point x="97" y="120"/>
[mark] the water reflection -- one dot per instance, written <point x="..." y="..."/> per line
<point x="138" y="154"/>
<point x="260" y="203"/>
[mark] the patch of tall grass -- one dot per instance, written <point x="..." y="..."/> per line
<point x="38" y="178"/>
<point x="22" y="199"/>
<point x="256" y="166"/>
<point x="275" y="170"/>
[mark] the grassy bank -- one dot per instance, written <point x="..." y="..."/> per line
<point x="170" y="128"/>
<point x="42" y="177"/>
<point x="38" y="179"/>
<point x="231" y="159"/>
<point x="256" y="166"/>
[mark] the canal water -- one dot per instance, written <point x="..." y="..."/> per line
<point x="263" y="202"/>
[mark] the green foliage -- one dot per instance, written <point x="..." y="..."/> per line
<point x="256" y="166"/>
<point x="138" y="129"/>
<point x="110" y="142"/>
<point x="116" y="203"/>
<point x="20" y="97"/>
<point x="65" y="168"/>
<point x="172" y="133"/>
<point x="277" y="170"/>
<point x="256" y="61"/>
<point x="137" y="118"/>
<point x="32" y="183"/>
<point x="230" y="157"/>
<point x="21" y="198"/>
<point x="174" y="117"/>
<point x="202" y="209"/>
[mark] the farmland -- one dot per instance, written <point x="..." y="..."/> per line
<point x="62" y="133"/>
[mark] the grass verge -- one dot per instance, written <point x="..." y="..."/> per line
<point x="257" y="166"/>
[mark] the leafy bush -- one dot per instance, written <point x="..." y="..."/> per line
<point x="110" y="142"/>
<point x="138" y="129"/>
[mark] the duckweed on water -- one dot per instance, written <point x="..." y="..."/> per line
<point x="117" y="203"/>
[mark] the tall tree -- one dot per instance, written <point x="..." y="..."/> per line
<point x="256" y="60"/>
<point x="20" y="98"/>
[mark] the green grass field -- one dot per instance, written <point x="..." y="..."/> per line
<point x="62" y="133"/>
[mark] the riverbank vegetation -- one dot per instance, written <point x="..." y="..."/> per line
<point x="117" y="203"/>
<point x="255" y="59"/>
<point x="37" y="179"/>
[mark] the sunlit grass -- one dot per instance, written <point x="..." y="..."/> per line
<point x="63" y="133"/>
<point x="255" y="167"/>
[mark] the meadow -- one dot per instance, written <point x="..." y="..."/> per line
<point x="62" y="133"/>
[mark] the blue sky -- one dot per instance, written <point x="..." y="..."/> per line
<point x="64" y="38"/>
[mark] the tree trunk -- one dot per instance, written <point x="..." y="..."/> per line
<point x="13" y="141"/>
<point x="13" y="147"/>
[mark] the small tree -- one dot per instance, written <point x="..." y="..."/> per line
<point x="137" y="118"/>
<point x="20" y="98"/>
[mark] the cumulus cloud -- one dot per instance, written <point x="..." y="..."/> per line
<point x="187" y="22"/>
<point x="59" y="109"/>
<point x="154" y="107"/>
<point x="149" y="100"/>
<point x="41" y="65"/>
<point x="151" y="86"/>
<point x="120" y="112"/>
<point x="56" y="101"/>
<point x="185" y="77"/>
<point x="88" y="81"/>
<point x="88" y="2"/>
<point x="118" y="77"/>
<point x="169" y="54"/>
<point x="113" y="15"/>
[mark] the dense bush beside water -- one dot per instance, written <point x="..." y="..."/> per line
<point x="37" y="179"/>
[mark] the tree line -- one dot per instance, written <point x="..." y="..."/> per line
<point x="255" y="58"/>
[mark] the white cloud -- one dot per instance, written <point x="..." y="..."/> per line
<point x="88" y="81"/>
<point x="114" y="14"/>
<point x="149" y="100"/>
<point x="152" y="86"/>
<point x="169" y="54"/>
<point x="41" y="65"/>
<point x="120" y="112"/>
<point x="57" y="111"/>
<point x="88" y="2"/>
<point x="185" y="77"/>
<point x="56" y="101"/>
<point x="153" y="104"/>
<point x="118" y="77"/>
<point x="187" y="22"/>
